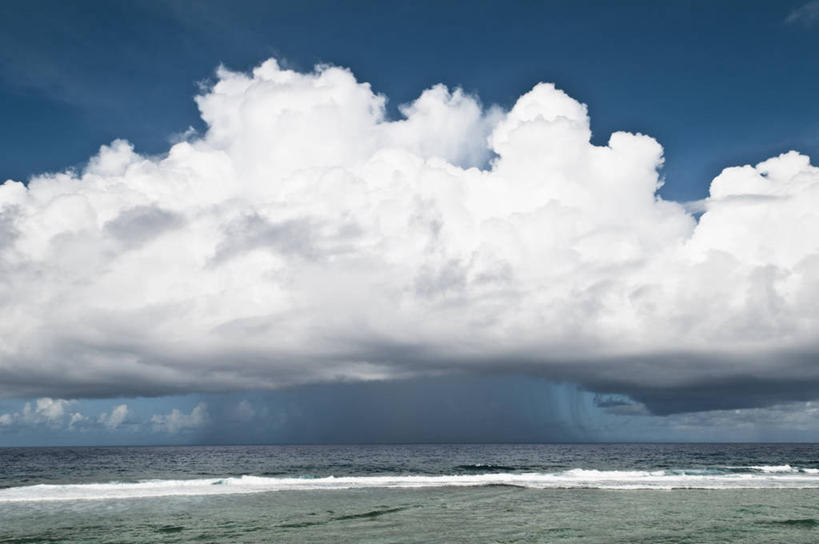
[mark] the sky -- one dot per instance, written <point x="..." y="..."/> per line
<point x="318" y="222"/>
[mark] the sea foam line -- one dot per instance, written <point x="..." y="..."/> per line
<point x="576" y="478"/>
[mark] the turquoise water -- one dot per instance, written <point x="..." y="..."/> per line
<point x="486" y="514"/>
<point x="564" y="493"/>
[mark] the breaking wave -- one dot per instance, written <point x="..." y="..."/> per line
<point x="755" y="478"/>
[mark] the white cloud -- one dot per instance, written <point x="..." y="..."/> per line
<point x="76" y="419"/>
<point x="115" y="418"/>
<point x="177" y="421"/>
<point x="44" y="411"/>
<point x="305" y="238"/>
<point x="806" y="14"/>
<point x="55" y="414"/>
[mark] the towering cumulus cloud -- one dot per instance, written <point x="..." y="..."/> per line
<point x="307" y="238"/>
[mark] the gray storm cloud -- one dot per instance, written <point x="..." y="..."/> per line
<point x="306" y="238"/>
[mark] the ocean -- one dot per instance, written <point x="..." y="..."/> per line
<point x="584" y="493"/>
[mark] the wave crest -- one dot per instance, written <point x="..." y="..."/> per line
<point x="575" y="478"/>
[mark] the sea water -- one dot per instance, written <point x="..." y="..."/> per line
<point x="414" y="493"/>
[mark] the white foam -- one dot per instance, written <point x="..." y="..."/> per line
<point x="774" y="468"/>
<point x="576" y="478"/>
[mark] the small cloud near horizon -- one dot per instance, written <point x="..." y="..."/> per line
<point x="807" y="14"/>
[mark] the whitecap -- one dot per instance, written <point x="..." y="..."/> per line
<point x="575" y="478"/>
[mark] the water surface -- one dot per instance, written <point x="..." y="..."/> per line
<point x="420" y="493"/>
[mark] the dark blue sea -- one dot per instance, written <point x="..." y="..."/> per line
<point x="602" y="493"/>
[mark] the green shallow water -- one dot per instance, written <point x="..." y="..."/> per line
<point x="486" y="514"/>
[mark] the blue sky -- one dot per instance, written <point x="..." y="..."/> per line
<point x="716" y="84"/>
